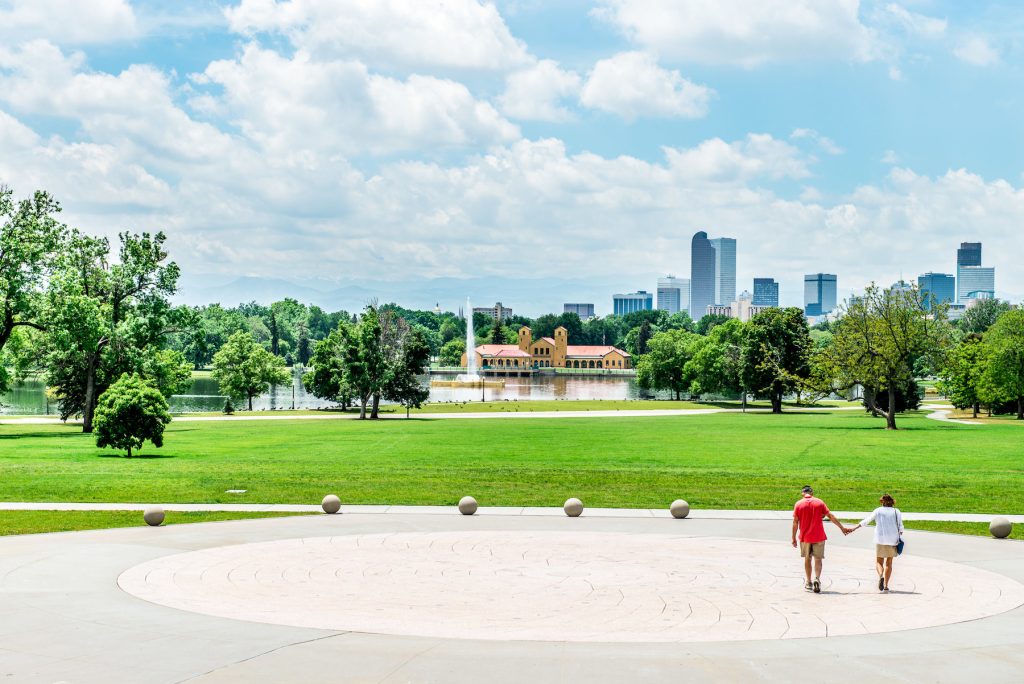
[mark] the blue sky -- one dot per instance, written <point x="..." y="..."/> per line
<point x="335" y="141"/>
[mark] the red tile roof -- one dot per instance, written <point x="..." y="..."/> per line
<point x="593" y="350"/>
<point x="548" y="340"/>
<point x="503" y="350"/>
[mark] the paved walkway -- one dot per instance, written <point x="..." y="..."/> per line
<point x="415" y="598"/>
<point x="601" y="413"/>
<point x="703" y="514"/>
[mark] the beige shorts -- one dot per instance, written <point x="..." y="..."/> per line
<point x="885" y="551"/>
<point x="814" y="550"/>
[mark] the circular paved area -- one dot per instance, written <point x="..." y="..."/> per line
<point x="564" y="586"/>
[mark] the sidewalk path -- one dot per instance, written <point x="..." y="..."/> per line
<point x="611" y="413"/>
<point x="697" y="514"/>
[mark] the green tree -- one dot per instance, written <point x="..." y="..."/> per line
<point x="879" y="338"/>
<point x="982" y="315"/>
<point x="30" y="238"/>
<point x="451" y="353"/>
<point x="1004" y="345"/>
<point x="130" y="412"/>
<point x="404" y="385"/>
<point x="964" y="374"/>
<point x="497" y="332"/>
<point x="663" y="366"/>
<point x="776" y="354"/>
<point x="365" y="363"/>
<point x="326" y="378"/>
<point x="244" y="369"/>
<point x="716" y="363"/>
<point x="709" y="321"/>
<point x="107" y="318"/>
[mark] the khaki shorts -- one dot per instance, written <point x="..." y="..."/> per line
<point x="814" y="550"/>
<point x="885" y="551"/>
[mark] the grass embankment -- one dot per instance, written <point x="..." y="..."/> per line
<point x="32" y="522"/>
<point x="974" y="529"/>
<point x="725" y="460"/>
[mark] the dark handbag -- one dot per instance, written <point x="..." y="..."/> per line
<point x="899" y="547"/>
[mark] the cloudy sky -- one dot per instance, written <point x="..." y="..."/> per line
<point x="332" y="141"/>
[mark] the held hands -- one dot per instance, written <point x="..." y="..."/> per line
<point x="794" y="543"/>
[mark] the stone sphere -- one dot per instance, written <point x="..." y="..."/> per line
<point x="573" y="507"/>
<point x="154" y="516"/>
<point x="679" y="509"/>
<point x="331" y="504"/>
<point x="1000" y="527"/>
<point x="467" y="505"/>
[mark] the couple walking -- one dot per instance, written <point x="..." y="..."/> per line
<point x="807" y="520"/>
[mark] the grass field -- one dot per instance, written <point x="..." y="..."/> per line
<point x="32" y="522"/>
<point x="714" y="461"/>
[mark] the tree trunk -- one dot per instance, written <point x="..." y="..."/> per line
<point x="1020" y="408"/>
<point x="90" y="394"/>
<point x="376" y="405"/>
<point x="250" y="401"/>
<point x="976" y="409"/>
<point x="129" y="451"/>
<point x="362" y="407"/>
<point x="776" y="399"/>
<point x="890" y="416"/>
<point x="407" y="412"/>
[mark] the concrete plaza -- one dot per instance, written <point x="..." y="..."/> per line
<point x="409" y="597"/>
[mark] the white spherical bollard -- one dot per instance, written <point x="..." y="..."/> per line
<point x="467" y="505"/>
<point x="1000" y="527"/>
<point x="331" y="504"/>
<point x="154" y="516"/>
<point x="679" y="509"/>
<point x="573" y="507"/>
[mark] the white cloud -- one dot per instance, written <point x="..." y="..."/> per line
<point x="890" y="157"/>
<point x="895" y="73"/>
<point x="976" y="50"/>
<point x="538" y="93"/>
<point x="632" y="85"/>
<point x="74" y="22"/>
<point x="338" y="107"/>
<point x="742" y="32"/>
<point x="757" y="156"/>
<point x="914" y="23"/>
<point x="826" y="144"/>
<point x="463" y="34"/>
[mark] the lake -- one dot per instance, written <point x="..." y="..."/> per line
<point x="204" y="395"/>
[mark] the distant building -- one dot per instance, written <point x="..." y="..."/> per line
<point x="766" y="292"/>
<point x="969" y="255"/>
<point x="937" y="287"/>
<point x="641" y="300"/>
<point x="548" y="352"/>
<point x="584" y="311"/>
<point x="742" y="308"/>
<point x="975" y="282"/>
<point x="819" y="294"/>
<point x="496" y="312"/>
<point x="725" y="269"/>
<point x="673" y="294"/>
<point x="702" y="274"/>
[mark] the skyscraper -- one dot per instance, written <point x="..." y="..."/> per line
<point x="584" y="311"/>
<point x="641" y="300"/>
<point x="969" y="254"/>
<point x="819" y="293"/>
<point x="766" y="292"/>
<point x="702" y="275"/>
<point x="725" y="269"/>
<point x="673" y="294"/>
<point x="940" y="287"/>
<point x="975" y="282"/>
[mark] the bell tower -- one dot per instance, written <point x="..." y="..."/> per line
<point x="525" y="339"/>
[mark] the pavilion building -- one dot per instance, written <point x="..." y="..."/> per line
<point x="549" y="352"/>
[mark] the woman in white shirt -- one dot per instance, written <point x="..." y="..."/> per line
<point x="888" y="532"/>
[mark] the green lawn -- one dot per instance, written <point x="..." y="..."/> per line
<point x="714" y="461"/>
<point x="32" y="522"/>
<point x="975" y="529"/>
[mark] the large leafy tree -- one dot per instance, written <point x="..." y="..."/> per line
<point x="365" y="361"/>
<point x="963" y="376"/>
<point x="130" y="412"/>
<point x="30" y="238"/>
<point x="982" y="315"/>
<point x="451" y="353"/>
<point x="776" y="354"/>
<point x="106" y="318"/>
<point x="326" y="378"/>
<point x="404" y="385"/>
<point x="716" y="363"/>
<point x="663" y="366"/>
<point x="1004" y="345"/>
<point x="244" y="369"/>
<point x="879" y="339"/>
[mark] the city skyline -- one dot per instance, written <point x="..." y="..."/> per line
<point x="300" y="141"/>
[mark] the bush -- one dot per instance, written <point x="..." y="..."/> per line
<point x="229" y="408"/>
<point x="130" y="412"/>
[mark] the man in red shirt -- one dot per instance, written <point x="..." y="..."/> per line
<point x="807" y="516"/>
